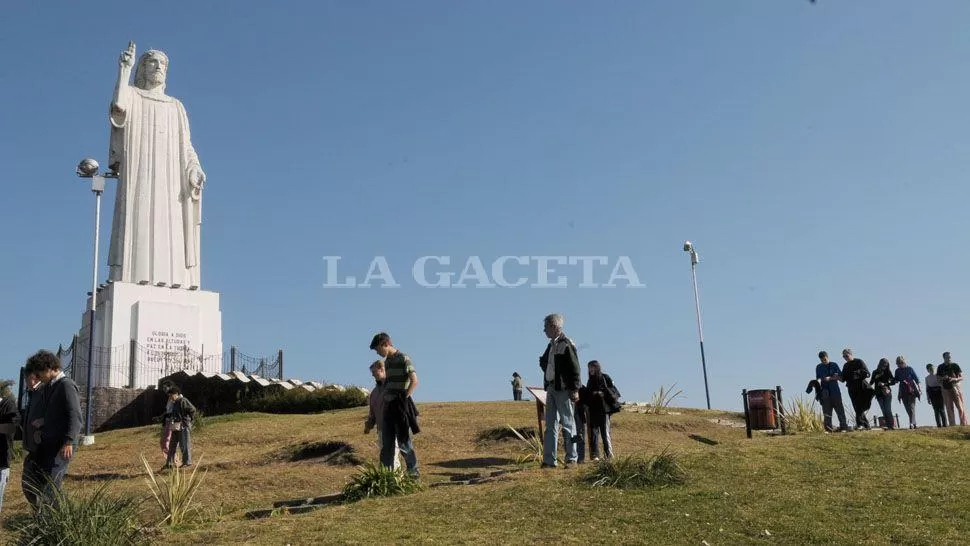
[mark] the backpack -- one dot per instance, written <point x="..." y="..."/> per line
<point x="612" y="397"/>
<point x="908" y="388"/>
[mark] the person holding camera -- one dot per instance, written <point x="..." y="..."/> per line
<point x="951" y="376"/>
<point x="881" y="381"/>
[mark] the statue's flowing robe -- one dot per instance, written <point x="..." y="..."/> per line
<point x="155" y="229"/>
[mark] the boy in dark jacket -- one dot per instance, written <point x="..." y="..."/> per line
<point x="183" y="413"/>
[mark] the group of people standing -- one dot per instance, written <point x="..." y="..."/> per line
<point x="579" y="410"/>
<point x="943" y="389"/>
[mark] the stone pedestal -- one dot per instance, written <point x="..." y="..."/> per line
<point x="143" y="333"/>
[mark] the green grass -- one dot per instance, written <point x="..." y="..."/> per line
<point x="901" y="487"/>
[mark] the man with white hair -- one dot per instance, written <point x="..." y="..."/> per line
<point x="560" y="364"/>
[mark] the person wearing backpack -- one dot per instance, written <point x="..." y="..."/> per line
<point x="909" y="390"/>
<point x="603" y="401"/>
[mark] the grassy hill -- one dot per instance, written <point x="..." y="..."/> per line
<point x="907" y="487"/>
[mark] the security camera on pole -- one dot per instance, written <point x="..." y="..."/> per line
<point x="689" y="247"/>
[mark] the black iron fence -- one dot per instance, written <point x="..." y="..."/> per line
<point x="135" y="365"/>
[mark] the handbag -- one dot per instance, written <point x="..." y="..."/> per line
<point x="613" y="396"/>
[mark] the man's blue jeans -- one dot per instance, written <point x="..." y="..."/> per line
<point x="181" y="442"/>
<point x="559" y="412"/>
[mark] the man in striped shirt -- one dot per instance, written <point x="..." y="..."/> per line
<point x="399" y="417"/>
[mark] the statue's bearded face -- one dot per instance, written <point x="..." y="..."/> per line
<point x="154" y="69"/>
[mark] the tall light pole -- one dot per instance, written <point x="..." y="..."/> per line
<point x="688" y="247"/>
<point x="88" y="168"/>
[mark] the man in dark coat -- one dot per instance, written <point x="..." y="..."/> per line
<point x="854" y="374"/>
<point x="57" y="431"/>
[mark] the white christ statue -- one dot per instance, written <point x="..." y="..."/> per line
<point x="157" y="216"/>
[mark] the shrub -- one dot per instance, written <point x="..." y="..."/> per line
<point x="175" y="492"/>
<point x="94" y="518"/>
<point x="661" y="399"/>
<point x="532" y="446"/>
<point x="376" y="480"/>
<point x="304" y="401"/>
<point x="802" y="416"/>
<point x="200" y="422"/>
<point x="632" y="472"/>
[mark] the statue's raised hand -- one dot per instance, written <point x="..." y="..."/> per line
<point x="127" y="58"/>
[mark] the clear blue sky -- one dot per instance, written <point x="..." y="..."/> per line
<point x="817" y="155"/>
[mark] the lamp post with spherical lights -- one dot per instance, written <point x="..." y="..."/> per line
<point x="689" y="247"/>
<point x="88" y="168"/>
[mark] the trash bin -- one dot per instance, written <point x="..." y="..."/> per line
<point x="761" y="409"/>
<point x="881" y="422"/>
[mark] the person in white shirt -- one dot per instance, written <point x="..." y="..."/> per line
<point x="934" y="396"/>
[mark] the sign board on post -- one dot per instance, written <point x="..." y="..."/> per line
<point x="540" y="395"/>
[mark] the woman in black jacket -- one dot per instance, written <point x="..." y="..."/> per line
<point x="602" y="395"/>
<point x="881" y="381"/>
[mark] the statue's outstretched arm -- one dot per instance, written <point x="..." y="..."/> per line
<point x="120" y="100"/>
